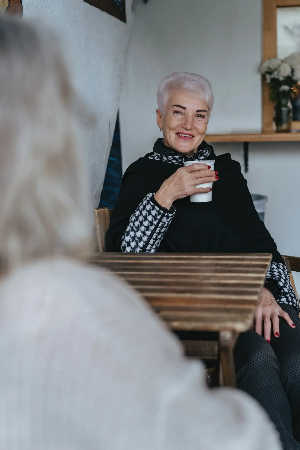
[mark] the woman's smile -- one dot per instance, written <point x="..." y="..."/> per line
<point x="185" y="136"/>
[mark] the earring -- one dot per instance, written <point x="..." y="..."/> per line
<point x="161" y="129"/>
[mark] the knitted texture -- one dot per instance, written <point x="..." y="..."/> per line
<point x="200" y="154"/>
<point x="85" y="365"/>
<point x="147" y="227"/>
<point x="279" y="273"/>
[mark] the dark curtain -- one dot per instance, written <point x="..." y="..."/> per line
<point x="113" y="176"/>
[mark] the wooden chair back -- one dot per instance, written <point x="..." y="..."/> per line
<point x="293" y="264"/>
<point x="102" y="220"/>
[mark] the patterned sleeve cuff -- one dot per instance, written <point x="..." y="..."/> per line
<point x="279" y="273"/>
<point x="147" y="227"/>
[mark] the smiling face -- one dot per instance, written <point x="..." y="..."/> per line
<point x="184" y="121"/>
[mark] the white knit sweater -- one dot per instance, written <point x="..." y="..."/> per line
<point x="85" y="365"/>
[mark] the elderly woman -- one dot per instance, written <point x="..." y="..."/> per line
<point x="79" y="367"/>
<point x="154" y="214"/>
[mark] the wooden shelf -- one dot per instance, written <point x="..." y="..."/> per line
<point x="251" y="137"/>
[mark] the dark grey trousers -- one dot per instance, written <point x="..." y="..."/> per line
<point x="271" y="374"/>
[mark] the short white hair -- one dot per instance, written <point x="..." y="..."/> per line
<point x="44" y="191"/>
<point x="185" y="81"/>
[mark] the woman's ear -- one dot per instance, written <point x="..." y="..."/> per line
<point x="159" y="119"/>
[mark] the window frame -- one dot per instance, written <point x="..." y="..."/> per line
<point x="270" y="51"/>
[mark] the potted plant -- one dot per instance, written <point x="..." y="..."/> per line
<point x="282" y="75"/>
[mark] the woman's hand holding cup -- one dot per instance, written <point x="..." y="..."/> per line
<point x="183" y="183"/>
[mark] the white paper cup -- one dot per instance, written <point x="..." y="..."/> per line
<point x="202" y="197"/>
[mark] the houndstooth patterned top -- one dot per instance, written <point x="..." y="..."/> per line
<point x="147" y="226"/>
<point x="279" y="273"/>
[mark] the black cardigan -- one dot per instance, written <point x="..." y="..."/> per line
<point x="227" y="224"/>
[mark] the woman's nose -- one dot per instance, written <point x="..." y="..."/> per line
<point x="188" y="123"/>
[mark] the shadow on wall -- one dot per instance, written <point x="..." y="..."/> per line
<point x="113" y="176"/>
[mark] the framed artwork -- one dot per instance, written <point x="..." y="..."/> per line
<point x="115" y="8"/>
<point x="281" y="36"/>
<point x="11" y="7"/>
<point x="288" y="31"/>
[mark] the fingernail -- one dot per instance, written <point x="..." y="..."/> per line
<point x="293" y="325"/>
<point x="217" y="178"/>
<point x="208" y="166"/>
<point x="268" y="340"/>
<point x="210" y="189"/>
<point x="216" y="173"/>
<point x="276" y="334"/>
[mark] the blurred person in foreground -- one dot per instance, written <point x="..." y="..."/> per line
<point x="84" y="363"/>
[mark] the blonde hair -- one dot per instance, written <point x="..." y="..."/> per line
<point x="186" y="81"/>
<point x="44" y="197"/>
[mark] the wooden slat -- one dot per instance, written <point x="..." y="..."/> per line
<point x="178" y="259"/>
<point x="185" y="262"/>
<point x="199" y="290"/>
<point x="211" y="321"/>
<point x="190" y="280"/>
<point x="226" y="271"/>
<point x="197" y="287"/>
<point x="294" y="263"/>
<point x="201" y="349"/>
<point x="171" y="256"/>
<point x="256" y="271"/>
<point x="102" y="219"/>
<point x="219" y="306"/>
<point x="269" y="136"/>
<point x="195" y="262"/>
<point x="170" y="300"/>
<point x="287" y="3"/>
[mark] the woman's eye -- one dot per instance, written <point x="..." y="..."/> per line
<point x="200" y="116"/>
<point x="178" y="112"/>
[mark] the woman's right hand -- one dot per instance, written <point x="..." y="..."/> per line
<point x="182" y="183"/>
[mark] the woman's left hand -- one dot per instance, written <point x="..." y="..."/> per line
<point x="267" y="315"/>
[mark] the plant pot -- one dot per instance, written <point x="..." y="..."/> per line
<point x="282" y="116"/>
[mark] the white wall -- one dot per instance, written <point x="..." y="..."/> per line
<point x="97" y="45"/>
<point x="222" y="41"/>
<point x="218" y="39"/>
